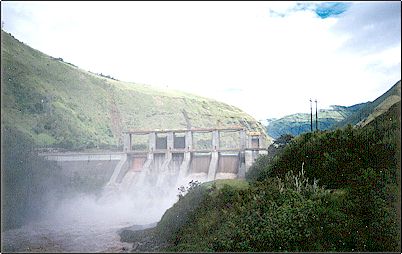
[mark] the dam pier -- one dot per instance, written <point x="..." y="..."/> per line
<point x="159" y="156"/>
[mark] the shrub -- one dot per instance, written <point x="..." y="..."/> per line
<point x="272" y="215"/>
<point x="179" y="214"/>
<point x="283" y="211"/>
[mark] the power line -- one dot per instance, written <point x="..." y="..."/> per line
<point x="311" y="116"/>
<point x="316" y="116"/>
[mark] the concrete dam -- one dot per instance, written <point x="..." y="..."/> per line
<point x="173" y="157"/>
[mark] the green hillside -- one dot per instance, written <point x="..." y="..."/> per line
<point x="59" y="105"/>
<point x="299" y="123"/>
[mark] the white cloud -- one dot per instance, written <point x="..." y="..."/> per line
<point x="232" y="51"/>
<point x="370" y="26"/>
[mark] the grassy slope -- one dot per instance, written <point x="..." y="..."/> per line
<point x="372" y="109"/>
<point x="384" y="105"/>
<point x="57" y="104"/>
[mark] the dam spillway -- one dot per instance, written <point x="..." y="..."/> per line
<point x="200" y="154"/>
<point x="172" y="156"/>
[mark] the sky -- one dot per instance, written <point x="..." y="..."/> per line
<point x="267" y="58"/>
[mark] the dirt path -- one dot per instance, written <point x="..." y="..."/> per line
<point x="115" y="116"/>
<point x="186" y="118"/>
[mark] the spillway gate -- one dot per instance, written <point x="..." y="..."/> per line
<point x="155" y="156"/>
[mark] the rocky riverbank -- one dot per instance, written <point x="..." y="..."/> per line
<point x="143" y="237"/>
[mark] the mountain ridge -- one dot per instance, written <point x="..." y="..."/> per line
<point x="372" y="109"/>
<point x="336" y="116"/>
<point x="298" y="123"/>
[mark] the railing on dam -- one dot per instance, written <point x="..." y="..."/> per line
<point x="181" y="140"/>
<point x="82" y="156"/>
<point x="216" y="152"/>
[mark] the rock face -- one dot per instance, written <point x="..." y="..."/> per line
<point x="143" y="237"/>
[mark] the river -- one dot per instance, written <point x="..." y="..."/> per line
<point x="85" y="223"/>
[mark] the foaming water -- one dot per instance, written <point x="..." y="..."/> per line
<point x="85" y="223"/>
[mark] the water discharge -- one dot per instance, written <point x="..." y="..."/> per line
<point x="87" y="223"/>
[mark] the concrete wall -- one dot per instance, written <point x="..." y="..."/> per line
<point x="88" y="171"/>
<point x="199" y="163"/>
<point x="228" y="163"/>
<point x="137" y="163"/>
<point x="169" y="155"/>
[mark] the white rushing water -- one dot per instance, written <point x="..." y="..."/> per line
<point x="88" y="224"/>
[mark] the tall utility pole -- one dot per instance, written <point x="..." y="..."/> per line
<point x="311" y="115"/>
<point x="316" y="116"/>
